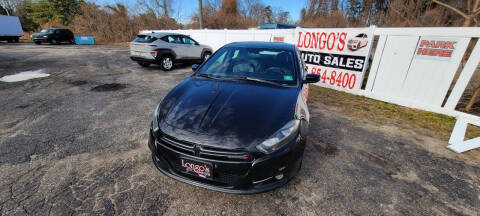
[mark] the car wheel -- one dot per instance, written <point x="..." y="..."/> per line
<point x="144" y="64"/>
<point x="166" y="62"/>
<point x="38" y="42"/>
<point x="53" y="41"/>
<point x="206" y="55"/>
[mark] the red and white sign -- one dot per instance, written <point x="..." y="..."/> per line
<point x="339" y="56"/>
<point x="436" y="48"/>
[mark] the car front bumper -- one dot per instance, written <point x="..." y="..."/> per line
<point x="237" y="177"/>
<point x="40" y="39"/>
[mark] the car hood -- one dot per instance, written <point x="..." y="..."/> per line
<point x="226" y="114"/>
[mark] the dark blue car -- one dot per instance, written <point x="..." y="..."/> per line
<point x="239" y="123"/>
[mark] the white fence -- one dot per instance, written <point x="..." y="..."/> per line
<point x="218" y="38"/>
<point x="412" y="67"/>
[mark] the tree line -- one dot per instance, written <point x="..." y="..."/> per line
<point x="390" y="13"/>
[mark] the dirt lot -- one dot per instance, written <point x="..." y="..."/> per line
<point x="76" y="143"/>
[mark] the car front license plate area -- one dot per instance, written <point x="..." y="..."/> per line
<point x="137" y="53"/>
<point x="197" y="168"/>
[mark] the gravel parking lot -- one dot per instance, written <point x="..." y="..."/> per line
<point x="76" y="143"/>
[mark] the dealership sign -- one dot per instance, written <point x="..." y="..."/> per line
<point x="339" y="56"/>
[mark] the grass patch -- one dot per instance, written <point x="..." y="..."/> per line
<point x="359" y="107"/>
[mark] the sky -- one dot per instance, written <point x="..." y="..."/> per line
<point x="185" y="8"/>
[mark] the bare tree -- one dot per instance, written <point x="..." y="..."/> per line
<point x="471" y="13"/>
<point x="158" y="7"/>
<point x="10" y="6"/>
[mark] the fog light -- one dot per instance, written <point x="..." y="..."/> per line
<point x="278" y="177"/>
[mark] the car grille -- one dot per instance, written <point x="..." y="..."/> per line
<point x="204" y="151"/>
<point x="224" y="178"/>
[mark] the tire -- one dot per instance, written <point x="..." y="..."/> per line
<point x="16" y="40"/>
<point x="38" y="42"/>
<point x="166" y="62"/>
<point x="53" y="41"/>
<point x="205" y="56"/>
<point x="144" y="64"/>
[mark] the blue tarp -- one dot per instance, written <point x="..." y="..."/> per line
<point x="84" y="39"/>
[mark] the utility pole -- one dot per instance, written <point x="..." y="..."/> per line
<point x="200" y="14"/>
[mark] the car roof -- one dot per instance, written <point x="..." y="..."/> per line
<point x="260" y="44"/>
<point x="161" y="34"/>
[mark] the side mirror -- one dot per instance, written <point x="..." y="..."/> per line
<point x="311" y="78"/>
<point x="195" y="67"/>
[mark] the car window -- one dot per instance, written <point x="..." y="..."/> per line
<point x="172" y="39"/>
<point x="275" y="65"/>
<point x="46" y="31"/>
<point x="188" y="40"/>
<point x="144" y="39"/>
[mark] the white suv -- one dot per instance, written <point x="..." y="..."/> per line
<point x="167" y="48"/>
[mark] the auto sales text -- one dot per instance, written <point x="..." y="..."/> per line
<point x="346" y="62"/>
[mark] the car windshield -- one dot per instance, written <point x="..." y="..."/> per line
<point x="260" y="64"/>
<point x="46" y="30"/>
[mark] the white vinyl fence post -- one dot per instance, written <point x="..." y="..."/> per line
<point x="457" y="140"/>
<point x="367" y="59"/>
<point x="464" y="78"/>
<point x="377" y="57"/>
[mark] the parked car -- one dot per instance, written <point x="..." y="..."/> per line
<point x="53" y="36"/>
<point x="359" y="41"/>
<point x="167" y="48"/>
<point x="10" y="29"/>
<point x="239" y="123"/>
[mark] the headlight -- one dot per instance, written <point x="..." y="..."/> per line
<point x="45" y="36"/>
<point x="155" y="119"/>
<point x="280" y="138"/>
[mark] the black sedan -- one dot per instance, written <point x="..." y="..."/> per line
<point x="239" y="123"/>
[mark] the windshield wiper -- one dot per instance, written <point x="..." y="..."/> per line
<point x="246" y="78"/>
<point x="207" y="76"/>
